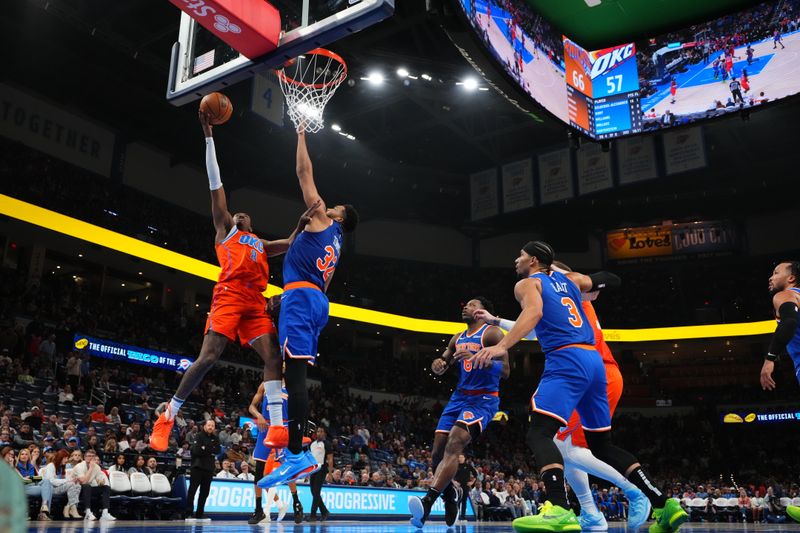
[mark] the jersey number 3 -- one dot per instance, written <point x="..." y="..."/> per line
<point x="328" y="263"/>
<point x="574" y="315"/>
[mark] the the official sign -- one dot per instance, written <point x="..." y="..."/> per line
<point x="130" y="354"/>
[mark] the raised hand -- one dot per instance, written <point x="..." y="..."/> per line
<point x="486" y="316"/>
<point x="205" y="123"/>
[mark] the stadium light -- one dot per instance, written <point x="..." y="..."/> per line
<point x="470" y="84"/>
<point x="336" y="127"/>
<point x="375" y="78"/>
<point x="403" y="73"/>
<point x="426" y="77"/>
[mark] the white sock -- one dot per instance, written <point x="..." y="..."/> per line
<point x="270" y="498"/>
<point x="579" y="481"/>
<point x="583" y="459"/>
<point x="175" y="405"/>
<point x="274" y="402"/>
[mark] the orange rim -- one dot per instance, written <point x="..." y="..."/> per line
<point x="321" y="52"/>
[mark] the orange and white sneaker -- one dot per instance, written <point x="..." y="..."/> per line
<point x="159" y="439"/>
<point x="277" y="437"/>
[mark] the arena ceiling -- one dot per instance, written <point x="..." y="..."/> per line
<point x="415" y="145"/>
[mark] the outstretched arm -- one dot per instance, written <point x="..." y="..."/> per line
<point x="280" y="246"/>
<point x="223" y="221"/>
<point x="595" y="282"/>
<point x="504" y="323"/>
<point x="305" y="174"/>
<point x="528" y="294"/>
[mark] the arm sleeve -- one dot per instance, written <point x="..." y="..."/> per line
<point x="212" y="167"/>
<point x="785" y="330"/>
<point x="604" y="280"/>
<point x="508" y="324"/>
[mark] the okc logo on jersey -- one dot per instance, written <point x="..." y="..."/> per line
<point x="184" y="364"/>
<point x="468" y="415"/>
<point x="253" y="242"/>
<point x="606" y="60"/>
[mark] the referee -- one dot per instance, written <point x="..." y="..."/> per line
<point x="463" y="475"/>
<point x="323" y="454"/>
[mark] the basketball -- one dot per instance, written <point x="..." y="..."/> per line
<point x="218" y="108"/>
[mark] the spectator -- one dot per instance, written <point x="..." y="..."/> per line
<point x="205" y="447"/>
<point x="113" y="416"/>
<point x="227" y="471"/>
<point x="93" y="443"/>
<point x="110" y="446"/>
<point x="36" y="457"/>
<point x="744" y="504"/>
<point x="24" y="436"/>
<point x="99" y="414"/>
<point x="138" y="386"/>
<point x="55" y="472"/>
<point x="47" y="350"/>
<point x="52" y="427"/>
<point x="93" y="482"/>
<point x="34" y="485"/>
<point x="119" y="464"/>
<point x="5" y="439"/>
<point x="73" y="367"/>
<point x="139" y="465"/>
<point x="245" y="473"/>
<point x="34" y="417"/>
<point x="66" y="396"/>
<point x="152" y="465"/>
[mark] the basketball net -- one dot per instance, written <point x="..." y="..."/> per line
<point x="308" y="82"/>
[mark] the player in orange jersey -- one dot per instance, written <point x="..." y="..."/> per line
<point x="238" y="307"/>
<point x="571" y="441"/>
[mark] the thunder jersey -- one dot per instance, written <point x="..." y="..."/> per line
<point x="469" y="377"/>
<point x="599" y="341"/>
<point x="243" y="260"/>
<point x="313" y="256"/>
<point x="563" y="321"/>
<point x="265" y="407"/>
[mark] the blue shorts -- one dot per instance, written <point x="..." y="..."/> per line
<point x="796" y="360"/>
<point x="574" y="379"/>
<point x="304" y="314"/>
<point x="261" y="452"/>
<point x="468" y="409"/>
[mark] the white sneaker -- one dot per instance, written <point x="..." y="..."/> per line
<point x="190" y="519"/>
<point x="204" y="519"/>
<point x="106" y="516"/>
<point x="282" y="508"/>
<point x="89" y="516"/>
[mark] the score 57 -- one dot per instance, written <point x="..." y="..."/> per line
<point x="614" y="83"/>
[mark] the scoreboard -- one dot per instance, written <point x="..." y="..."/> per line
<point x="603" y="90"/>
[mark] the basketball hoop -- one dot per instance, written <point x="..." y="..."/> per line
<point x="308" y="82"/>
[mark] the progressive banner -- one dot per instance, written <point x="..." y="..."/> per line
<point x="129" y="354"/>
<point x="234" y="496"/>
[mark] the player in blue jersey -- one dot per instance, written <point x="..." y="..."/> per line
<point x="574" y="378"/>
<point x="784" y="285"/>
<point x="267" y="459"/>
<point x="470" y="409"/>
<point x="307" y="274"/>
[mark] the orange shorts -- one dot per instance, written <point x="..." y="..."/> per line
<point x="574" y="428"/>
<point x="239" y="312"/>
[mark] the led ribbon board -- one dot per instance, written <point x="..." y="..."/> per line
<point x="78" y="229"/>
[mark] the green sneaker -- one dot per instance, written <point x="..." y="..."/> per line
<point x="670" y="518"/>
<point x="794" y="512"/>
<point x="551" y="518"/>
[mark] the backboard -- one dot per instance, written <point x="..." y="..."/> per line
<point x="201" y="63"/>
